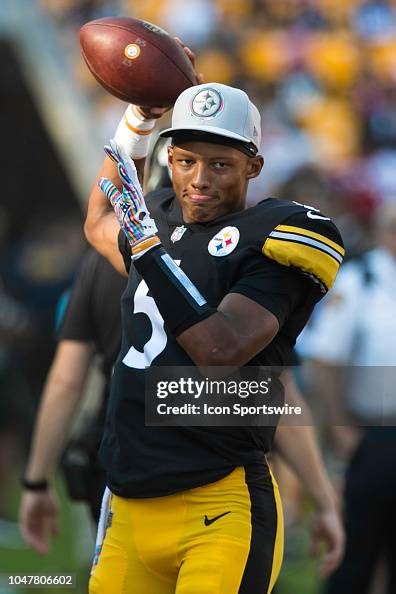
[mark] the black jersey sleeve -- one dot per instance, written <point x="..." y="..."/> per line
<point x="275" y="287"/>
<point x="77" y="323"/>
<point x="301" y="258"/>
<point x="125" y="249"/>
<point x="308" y="242"/>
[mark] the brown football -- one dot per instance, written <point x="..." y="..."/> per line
<point x="136" y="61"/>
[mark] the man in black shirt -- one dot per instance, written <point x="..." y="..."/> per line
<point x="91" y="325"/>
<point x="194" y="509"/>
<point x="90" y="315"/>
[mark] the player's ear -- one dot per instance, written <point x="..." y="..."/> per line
<point x="170" y="157"/>
<point x="255" y="165"/>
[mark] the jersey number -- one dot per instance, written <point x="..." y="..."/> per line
<point x="143" y="303"/>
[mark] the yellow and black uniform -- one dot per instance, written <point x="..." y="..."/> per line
<point x="283" y="256"/>
<point x="223" y="537"/>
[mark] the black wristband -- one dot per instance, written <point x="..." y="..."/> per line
<point x="34" y="485"/>
<point x="178" y="299"/>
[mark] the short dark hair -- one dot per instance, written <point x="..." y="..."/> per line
<point x="182" y="136"/>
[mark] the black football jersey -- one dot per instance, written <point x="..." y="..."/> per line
<point x="282" y="255"/>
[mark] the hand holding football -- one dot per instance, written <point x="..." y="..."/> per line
<point x="136" y="61"/>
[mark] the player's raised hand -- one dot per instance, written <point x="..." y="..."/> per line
<point x="153" y="113"/>
<point x="192" y="57"/>
<point x="126" y="169"/>
<point x="38" y="519"/>
<point x="129" y="205"/>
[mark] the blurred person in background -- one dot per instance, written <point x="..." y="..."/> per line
<point x="91" y="325"/>
<point x="310" y="185"/>
<point x="353" y="343"/>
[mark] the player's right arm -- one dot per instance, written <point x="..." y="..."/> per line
<point x="133" y="133"/>
<point x="101" y="225"/>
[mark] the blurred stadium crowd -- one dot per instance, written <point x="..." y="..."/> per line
<point x="323" y="73"/>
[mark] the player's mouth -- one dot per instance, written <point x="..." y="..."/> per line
<point x="200" y="198"/>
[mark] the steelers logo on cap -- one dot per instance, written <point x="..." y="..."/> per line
<point x="207" y="103"/>
<point x="224" y="242"/>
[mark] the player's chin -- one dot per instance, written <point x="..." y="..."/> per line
<point x="202" y="213"/>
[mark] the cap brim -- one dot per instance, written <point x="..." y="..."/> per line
<point x="207" y="129"/>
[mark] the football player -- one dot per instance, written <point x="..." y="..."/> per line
<point x="211" y="283"/>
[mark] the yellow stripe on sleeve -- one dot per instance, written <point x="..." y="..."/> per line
<point x="313" y="235"/>
<point x="306" y="258"/>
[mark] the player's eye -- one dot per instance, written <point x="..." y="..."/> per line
<point x="219" y="165"/>
<point x="186" y="162"/>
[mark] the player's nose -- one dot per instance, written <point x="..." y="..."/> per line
<point x="200" y="177"/>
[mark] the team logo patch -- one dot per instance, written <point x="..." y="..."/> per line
<point x="224" y="242"/>
<point x="132" y="51"/>
<point x="207" y="103"/>
<point x="178" y="233"/>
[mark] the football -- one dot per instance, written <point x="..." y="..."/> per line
<point x="136" y="61"/>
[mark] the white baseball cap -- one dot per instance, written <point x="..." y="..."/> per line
<point x="213" y="108"/>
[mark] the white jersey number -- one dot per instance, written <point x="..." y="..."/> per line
<point x="142" y="303"/>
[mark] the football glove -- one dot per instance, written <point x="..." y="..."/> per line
<point x="129" y="205"/>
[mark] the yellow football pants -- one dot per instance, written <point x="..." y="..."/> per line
<point x="222" y="538"/>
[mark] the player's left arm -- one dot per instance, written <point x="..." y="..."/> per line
<point x="232" y="335"/>
<point x="302" y="258"/>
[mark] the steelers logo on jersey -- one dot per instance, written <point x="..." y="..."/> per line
<point x="224" y="242"/>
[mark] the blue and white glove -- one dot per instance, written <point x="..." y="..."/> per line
<point x="129" y="206"/>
